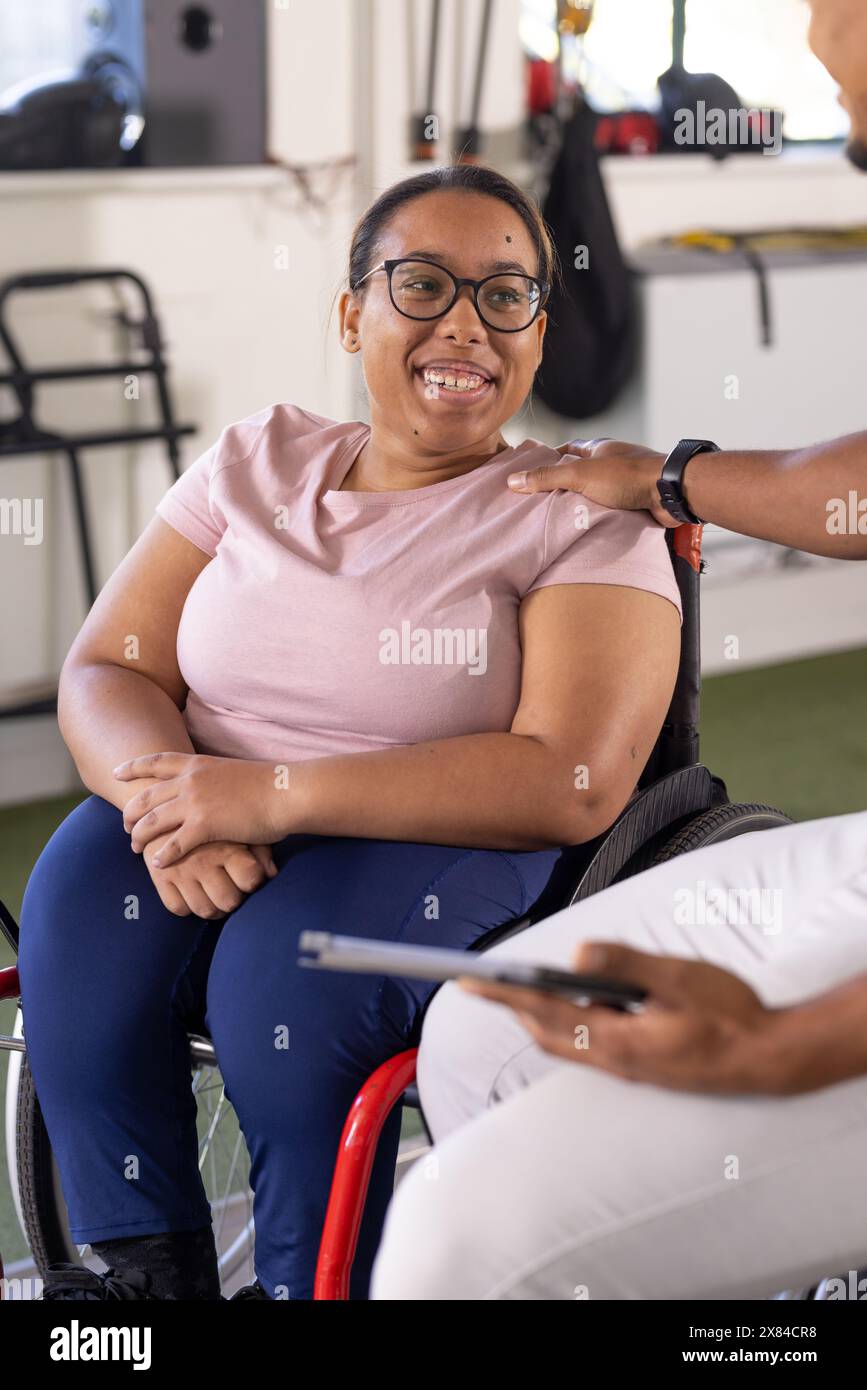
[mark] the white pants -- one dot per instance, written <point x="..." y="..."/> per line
<point x="550" y="1180"/>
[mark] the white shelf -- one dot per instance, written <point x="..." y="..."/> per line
<point x="69" y="182"/>
<point x="794" y="161"/>
<point x="822" y="159"/>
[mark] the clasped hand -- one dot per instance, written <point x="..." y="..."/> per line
<point x="199" y="798"/>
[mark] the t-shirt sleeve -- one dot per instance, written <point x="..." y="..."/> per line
<point x="190" y="505"/>
<point x="589" y="544"/>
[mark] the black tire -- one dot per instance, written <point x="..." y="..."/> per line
<point x="718" y="824"/>
<point x="40" y="1194"/>
<point x="43" y="1215"/>
<point x="710" y="827"/>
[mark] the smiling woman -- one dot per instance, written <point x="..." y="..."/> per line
<point x="460" y="354"/>
<point x="260" y="770"/>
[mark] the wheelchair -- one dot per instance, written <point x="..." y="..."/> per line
<point x="678" y="806"/>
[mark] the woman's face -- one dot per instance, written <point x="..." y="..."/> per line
<point x="469" y="234"/>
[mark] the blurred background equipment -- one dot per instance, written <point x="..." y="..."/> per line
<point x="700" y="93"/>
<point x="68" y="124"/>
<point x="467" y="137"/>
<point x="659" y="56"/>
<point x="574" y="17"/>
<point x="131" y="82"/>
<point x="591" y="337"/>
<point x="424" y="125"/>
<point x="24" y="435"/>
<point x="789" y="245"/>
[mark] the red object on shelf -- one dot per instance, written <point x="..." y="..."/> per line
<point x="370" y="1110"/>
<point x="541" y="86"/>
<point x="627" y="132"/>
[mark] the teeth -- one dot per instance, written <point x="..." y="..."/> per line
<point x="468" y="381"/>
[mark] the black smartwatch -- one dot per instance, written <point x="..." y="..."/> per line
<point x="670" y="482"/>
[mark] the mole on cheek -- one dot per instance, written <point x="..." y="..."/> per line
<point x="508" y="238"/>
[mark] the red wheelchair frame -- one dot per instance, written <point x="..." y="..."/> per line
<point x="370" y="1110"/>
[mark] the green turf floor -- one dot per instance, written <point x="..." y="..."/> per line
<point x="793" y="736"/>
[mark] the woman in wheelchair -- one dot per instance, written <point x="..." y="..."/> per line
<point x="344" y="680"/>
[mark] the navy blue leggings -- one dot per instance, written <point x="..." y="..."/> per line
<point x="109" y="996"/>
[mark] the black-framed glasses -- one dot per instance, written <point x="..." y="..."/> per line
<point x="422" y="289"/>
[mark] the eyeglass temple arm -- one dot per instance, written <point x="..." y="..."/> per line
<point x="381" y="266"/>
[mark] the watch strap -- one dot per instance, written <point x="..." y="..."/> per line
<point x="670" y="482"/>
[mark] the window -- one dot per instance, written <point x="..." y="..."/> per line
<point x="36" y="39"/>
<point x="758" y="46"/>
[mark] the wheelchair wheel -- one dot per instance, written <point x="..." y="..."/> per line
<point x="719" y="823"/>
<point x="223" y="1162"/>
<point x="710" y="827"/>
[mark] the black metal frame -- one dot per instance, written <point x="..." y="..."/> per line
<point x="459" y="281"/>
<point x="24" y="436"/>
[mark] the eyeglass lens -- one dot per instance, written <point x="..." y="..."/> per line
<point x="423" y="291"/>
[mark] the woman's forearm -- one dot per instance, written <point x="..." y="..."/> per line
<point x="108" y="714"/>
<point x="812" y="499"/>
<point x="491" y="791"/>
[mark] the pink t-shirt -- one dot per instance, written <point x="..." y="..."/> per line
<point x="339" y="622"/>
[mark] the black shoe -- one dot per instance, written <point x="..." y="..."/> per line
<point x="76" y="1281"/>
<point x="253" y="1290"/>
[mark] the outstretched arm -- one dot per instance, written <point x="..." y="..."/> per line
<point x="812" y="499"/>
